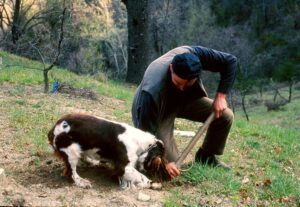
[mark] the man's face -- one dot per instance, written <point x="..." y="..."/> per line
<point x="181" y="84"/>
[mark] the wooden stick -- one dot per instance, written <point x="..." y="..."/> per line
<point x="194" y="140"/>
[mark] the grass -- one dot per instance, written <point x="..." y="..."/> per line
<point x="264" y="153"/>
<point x="21" y="71"/>
<point x="265" y="159"/>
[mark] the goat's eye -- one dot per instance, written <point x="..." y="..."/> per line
<point x="65" y="124"/>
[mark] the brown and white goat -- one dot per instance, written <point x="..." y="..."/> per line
<point x="131" y="150"/>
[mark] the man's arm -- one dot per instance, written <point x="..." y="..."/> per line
<point x="216" y="61"/>
<point x="219" y="104"/>
<point x="226" y="65"/>
<point x="147" y="113"/>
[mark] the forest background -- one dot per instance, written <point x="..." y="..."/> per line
<point x="117" y="39"/>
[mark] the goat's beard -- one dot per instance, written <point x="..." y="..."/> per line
<point x="158" y="170"/>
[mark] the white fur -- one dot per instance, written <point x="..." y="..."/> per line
<point x="92" y="157"/>
<point x="141" y="160"/>
<point x="133" y="178"/>
<point x="139" y="140"/>
<point x="74" y="152"/>
<point x="60" y="128"/>
<point x="136" y="141"/>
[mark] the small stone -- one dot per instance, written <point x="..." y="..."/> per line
<point x="43" y="195"/>
<point x="18" y="200"/>
<point x="143" y="197"/>
<point x="8" y="191"/>
<point x="245" y="180"/>
<point x="1" y="171"/>
<point x="156" y="186"/>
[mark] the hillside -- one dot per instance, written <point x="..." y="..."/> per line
<point x="264" y="152"/>
<point x="32" y="175"/>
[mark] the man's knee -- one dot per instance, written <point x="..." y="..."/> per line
<point x="228" y="116"/>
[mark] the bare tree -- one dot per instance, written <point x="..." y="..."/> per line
<point x="20" y="21"/>
<point x="59" y="45"/>
<point x="244" y="93"/>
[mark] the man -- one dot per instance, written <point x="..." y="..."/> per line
<point x="172" y="87"/>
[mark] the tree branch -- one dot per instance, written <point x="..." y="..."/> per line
<point x="61" y="37"/>
<point x="40" y="54"/>
<point x="7" y="16"/>
<point x="37" y="16"/>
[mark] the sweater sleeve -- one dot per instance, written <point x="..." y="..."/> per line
<point x="147" y="114"/>
<point x="216" y="61"/>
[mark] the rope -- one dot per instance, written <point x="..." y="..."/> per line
<point x="185" y="170"/>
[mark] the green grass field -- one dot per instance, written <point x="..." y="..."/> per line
<point x="264" y="153"/>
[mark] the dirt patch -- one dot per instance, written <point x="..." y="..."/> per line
<point x="34" y="179"/>
<point x="76" y="92"/>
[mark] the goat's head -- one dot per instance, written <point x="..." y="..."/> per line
<point x="153" y="162"/>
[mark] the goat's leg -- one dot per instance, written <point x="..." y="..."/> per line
<point x="73" y="153"/>
<point x="133" y="178"/>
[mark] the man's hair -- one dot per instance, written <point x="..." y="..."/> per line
<point x="187" y="66"/>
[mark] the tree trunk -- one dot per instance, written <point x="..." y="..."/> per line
<point x="290" y="91"/>
<point x="244" y="107"/>
<point x="61" y="37"/>
<point x="46" y="81"/>
<point x="141" y="49"/>
<point x="275" y="96"/>
<point x="15" y="30"/>
<point x="261" y="91"/>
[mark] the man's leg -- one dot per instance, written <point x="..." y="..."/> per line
<point x="216" y="136"/>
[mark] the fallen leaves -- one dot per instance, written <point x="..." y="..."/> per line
<point x="287" y="199"/>
<point x="277" y="149"/>
<point x="264" y="183"/>
<point x="267" y="182"/>
<point x="245" y="196"/>
<point x="243" y="193"/>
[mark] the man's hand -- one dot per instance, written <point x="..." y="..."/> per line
<point x="172" y="169"/>
<point x="219" y="104"/>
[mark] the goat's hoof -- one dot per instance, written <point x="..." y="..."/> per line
<point x="83" y="183"/>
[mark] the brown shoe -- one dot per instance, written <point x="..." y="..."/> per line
<point x="210" y="160"/>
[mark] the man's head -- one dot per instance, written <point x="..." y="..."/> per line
<point x="185" y="70"/>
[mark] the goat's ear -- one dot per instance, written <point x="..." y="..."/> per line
<point x="51" y="135"/>
<point x="165" y="175"/>
<point x="155" y="163"/>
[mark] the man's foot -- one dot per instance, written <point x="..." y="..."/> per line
<point x="210" y="160"/>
